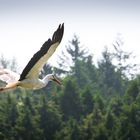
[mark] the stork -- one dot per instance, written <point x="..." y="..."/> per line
<point x="29" y="78"/>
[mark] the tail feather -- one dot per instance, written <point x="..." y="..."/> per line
<point x="9" y="86"/>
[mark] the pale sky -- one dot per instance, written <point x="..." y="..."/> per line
<point x="26" y="25"/>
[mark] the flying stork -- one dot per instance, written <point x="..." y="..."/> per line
<point x="29" y="78"/>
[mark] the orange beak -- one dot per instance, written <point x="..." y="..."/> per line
<point x="55" y="79"/>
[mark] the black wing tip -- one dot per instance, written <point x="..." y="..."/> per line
<point x="58" y="34"/>
<point x="61" y="26"/>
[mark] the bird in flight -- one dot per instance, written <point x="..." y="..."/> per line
<point x="29" y="78"/>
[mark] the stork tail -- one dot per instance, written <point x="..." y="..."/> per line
<point x="9" y="86"/>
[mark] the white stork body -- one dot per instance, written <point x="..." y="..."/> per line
<point x="37" y="83"/>
<point x="32" y="84"/>
<point x="29" y="78"/>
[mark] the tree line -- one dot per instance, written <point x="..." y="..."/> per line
<point x="96" y="102"/>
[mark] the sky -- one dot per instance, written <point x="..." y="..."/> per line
<point x="26" y="25"/>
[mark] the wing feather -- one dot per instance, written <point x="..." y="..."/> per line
<point x="39" y="59"/>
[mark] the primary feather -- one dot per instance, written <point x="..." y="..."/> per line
<point x="39" y="59"/>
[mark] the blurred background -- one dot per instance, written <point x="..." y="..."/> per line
<point x="97" y="62"/>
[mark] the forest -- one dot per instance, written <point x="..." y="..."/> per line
<point x="97" y="101"/>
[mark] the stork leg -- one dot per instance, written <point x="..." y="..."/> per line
<point x="9" y="86"/>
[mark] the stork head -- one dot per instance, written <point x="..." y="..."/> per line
<point x="52" y="77"/>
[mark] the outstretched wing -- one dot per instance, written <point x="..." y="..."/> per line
<point x="8" y="76"/>
<point x="39" y="59"/>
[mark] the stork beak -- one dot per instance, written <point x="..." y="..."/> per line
<point x="56" y="80"/>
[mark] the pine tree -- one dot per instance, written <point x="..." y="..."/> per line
<point x="88" y="101"/>
<point x="50" y="119"/>
<point x="70" y="101"/>
<point x="110" y="80"/>
<point x="69" y="57"/>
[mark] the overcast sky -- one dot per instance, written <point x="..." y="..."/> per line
<point x="26" y="25"/>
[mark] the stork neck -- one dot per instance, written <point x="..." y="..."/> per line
<point x="46" y="80"/>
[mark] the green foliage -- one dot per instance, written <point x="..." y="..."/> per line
<point x="110" y="80"/>
<point x="87" y="99"/>
<point x="133" y="89"/>
<point x="70" y="102"/>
